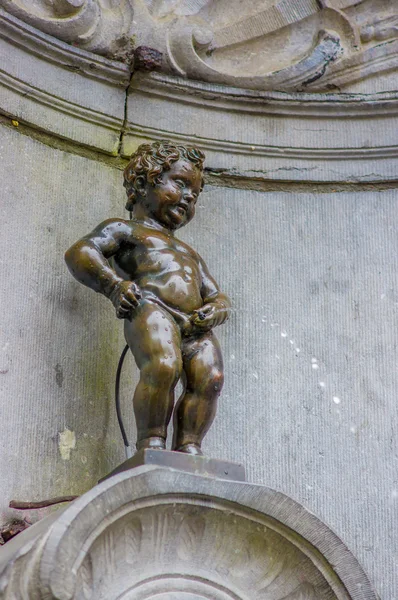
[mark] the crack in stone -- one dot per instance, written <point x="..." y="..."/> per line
<point x="125" y="117"/>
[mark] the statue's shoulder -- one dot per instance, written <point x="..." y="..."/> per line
<point x="115" y="221"/>
<point x="114" y="225"/>
<point x="186" y="248"/>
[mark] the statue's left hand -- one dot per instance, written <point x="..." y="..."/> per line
<point x="125" y="296"/>
<point x="209" y="316"/>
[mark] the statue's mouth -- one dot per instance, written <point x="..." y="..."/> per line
<point x="182" y="209"/>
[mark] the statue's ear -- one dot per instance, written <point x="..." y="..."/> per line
<point x="140" y="185"/>
<point x="130" y="202"/>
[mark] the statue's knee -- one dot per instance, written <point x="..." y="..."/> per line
<point x="216" y="381"/>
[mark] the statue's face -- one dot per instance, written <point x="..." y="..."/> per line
<point x="172" y="200"/>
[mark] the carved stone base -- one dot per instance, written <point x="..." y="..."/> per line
<point x="158" y="533"/>
<point x="198" y="465"/>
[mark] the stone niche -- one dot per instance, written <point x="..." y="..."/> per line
<point x="295" y="103"/>
<point x="160" y="534"/>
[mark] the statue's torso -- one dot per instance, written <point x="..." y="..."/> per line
<point x="160" y="263"/>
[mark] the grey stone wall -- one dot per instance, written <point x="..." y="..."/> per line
<point x="59" y="342"/>
<point x="309" y="404"/>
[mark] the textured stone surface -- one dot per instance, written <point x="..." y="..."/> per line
<point x="59" y="345"/>
<point x="97" y="25"/>
<point x="302" y="136"/>
<point x="271" y="136"/>
<point x="58" y="88"/>
<point x="266" y="45"/>
<point x="311" y="355"/>
<point x="282" y="45"/>
<point x="309" y="404"/>
<point x="154" y="532"/>
<point x="198" y="465"/>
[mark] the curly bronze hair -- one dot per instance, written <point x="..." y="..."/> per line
<point x="150" y="160"/>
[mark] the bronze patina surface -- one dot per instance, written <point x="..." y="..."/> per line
<point x="164" y="292"/>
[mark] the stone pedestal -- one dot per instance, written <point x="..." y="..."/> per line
<point x="198" y="465"/>
<point x="153" y="532"/>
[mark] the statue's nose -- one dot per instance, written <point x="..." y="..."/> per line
<point x="188" y="196"/>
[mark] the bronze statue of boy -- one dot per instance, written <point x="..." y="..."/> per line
<point x="163" y="290"/>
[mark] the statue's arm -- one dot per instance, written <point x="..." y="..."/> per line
<point x="216" y="305"/>
<point x="87" y="260"/>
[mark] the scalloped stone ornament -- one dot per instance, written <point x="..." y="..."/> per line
<point x="155" y="533"/>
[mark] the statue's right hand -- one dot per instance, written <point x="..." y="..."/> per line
<point x="125" y="297"/>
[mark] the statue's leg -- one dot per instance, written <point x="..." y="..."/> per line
<point x="196" y="408"/>
<point x="155" y="341"/>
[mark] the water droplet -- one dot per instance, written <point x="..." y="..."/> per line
<point x="336" y="400"/>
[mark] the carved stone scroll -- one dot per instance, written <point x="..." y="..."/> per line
<point x="286" y="45"/>
<point x="99" y="26"/>
<point x="326" y="50"/>
<point x="236" y="53"/>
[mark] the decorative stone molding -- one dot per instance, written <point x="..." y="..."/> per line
<point x="61" y="89"/>
<point x="300" y="136"/>
<point x="159" y="533"/>
<point x="284" y="45"/>
<point x="49" y="49"/>
<point x="323" y="137"/>
<point x="340" y="38"/>
<point x="96" y="25"/>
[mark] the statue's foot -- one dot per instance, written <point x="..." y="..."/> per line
<point x="193" y="449"/>
<point x="156" y="443"/>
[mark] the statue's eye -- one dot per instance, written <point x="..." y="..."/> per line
<point x="180" y="183"/>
